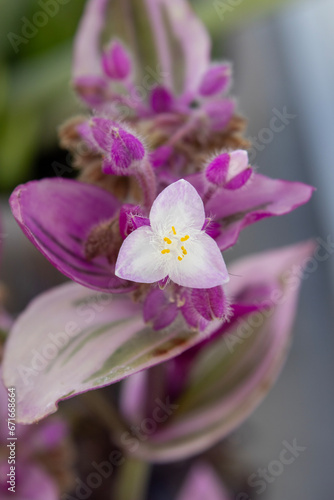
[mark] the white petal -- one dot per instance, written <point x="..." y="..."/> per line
<point x="238" y="163"/>
<point x="179" y="206"/>
<point x="139" y="259"/>
<point x="202" y="267"/>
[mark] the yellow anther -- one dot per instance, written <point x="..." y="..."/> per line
<point x="167" y="240"/>
<point x="173" y="229"/>
<point x="185" y="238"/>
<point x="180" y="258"/>
<point x="165" y="251"/>
<point x="184" y="251"/>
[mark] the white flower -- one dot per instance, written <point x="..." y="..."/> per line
<point x="174" y="245"/>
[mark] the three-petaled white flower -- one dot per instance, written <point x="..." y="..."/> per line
<point x="174" y="245"/>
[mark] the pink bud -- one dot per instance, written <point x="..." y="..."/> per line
<point x="130" y="219"/>
<point x="210" y="303"/>
<point x="217" y="79"/>
<point x="239" y="170"/>
<point x="229" y="170"/>
<point x="239" y="180"/>
<point x="216" y="172"/>
<point x="120" y="148"/>
<point x="91" y="89"/>
<point x="125" y="150"/>
<point x="161" y="100"/>
<point x="219" y="113"/>
<point x="161" y="155"/>
<point x="116" y="61"/>
<point x="159" y="309"/>
<point x="101" y="131"/>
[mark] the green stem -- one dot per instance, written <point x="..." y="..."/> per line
<point x="105" y="411"/>
<point x="132" y="480"/>
<point x="133" y="475"/>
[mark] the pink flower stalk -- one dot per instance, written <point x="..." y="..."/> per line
<point x="141" y="233"/>
<point x="107" y="83"/>
<point x="115" y="63"/>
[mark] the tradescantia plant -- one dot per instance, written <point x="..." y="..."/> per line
<point x="164" y="187"/>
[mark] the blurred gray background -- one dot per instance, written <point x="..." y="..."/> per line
<point x="288" y="60"/>
<point x="283" y="60"/>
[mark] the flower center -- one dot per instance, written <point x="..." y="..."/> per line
<point x="174" y="244"/>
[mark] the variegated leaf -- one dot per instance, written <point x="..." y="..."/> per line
<point x="72" y="339"/>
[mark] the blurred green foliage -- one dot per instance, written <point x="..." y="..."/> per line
<point x="222" y="15"/>
<point x="35" y="94"/>
<point x="35" y="71"/>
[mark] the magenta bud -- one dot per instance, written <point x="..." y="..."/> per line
<point x="159" y="310"/>
<point x="101" y="129"/>
<point x="220" y="113"/>
<point x="239" y="180"/>
<point x="216" y="80"/>
<point x="229" y="170"/>
<point x="130" y="219"/>
<point x="125" y="150"/>
<point x="161" y="155"/>
<point x="213" y="229"/>
<point x="85" y="131"/>
<point x="120" y="149"/>
<point x="91" y="89"/>
<point x="161" y="100"/>
<point x="216" y="172"/>
<point x="210" y="303"/>
<point x="239" y="171"/>
<point x="116" y="61"/>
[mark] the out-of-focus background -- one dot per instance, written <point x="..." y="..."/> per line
<point x="284" y="66"/>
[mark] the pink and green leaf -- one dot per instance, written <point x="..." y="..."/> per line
<point x="57" y="216"/>
<point x="72" y="339"/>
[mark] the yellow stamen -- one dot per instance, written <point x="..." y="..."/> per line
<point x="184" y="251"/>
<point x="180" y="258"/>
<point x="165" y="251"/>
<point x="173" y="229"/>
<point x="167" y="240"/>
<point x="185" y="238"/>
